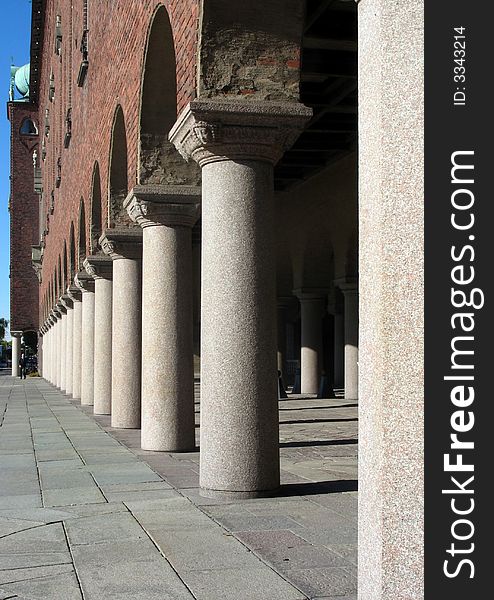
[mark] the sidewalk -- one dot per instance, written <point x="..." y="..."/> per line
<point x="84" y="513"/>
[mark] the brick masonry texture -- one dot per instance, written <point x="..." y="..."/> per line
<point x="24" y="231"/>
<point x="117" y="37"/>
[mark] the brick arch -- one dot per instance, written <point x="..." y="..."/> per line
<point x="96" y="225"/>
<point x="72" y="253"/>
<point x="60" y="282"/>
<point x="117" y="170"/>
<point x="65" y="267"/>
<point x="82" y="244"/>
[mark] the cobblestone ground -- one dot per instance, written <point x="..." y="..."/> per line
<point x="85" y="514"/>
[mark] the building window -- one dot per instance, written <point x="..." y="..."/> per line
<point x="28" y="127"/>
<point x="58" y="35"/>
<point x="68" y="128"/>
<point x="51" y="89"/>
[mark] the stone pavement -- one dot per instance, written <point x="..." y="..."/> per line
<point x="85" y="514"/>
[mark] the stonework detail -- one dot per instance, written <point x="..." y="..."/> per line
<point x="153" y="205"/>
<point x="122" y="243"/>
<point x="212" y="131"/>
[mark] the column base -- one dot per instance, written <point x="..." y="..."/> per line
<point x="244" y="495"/>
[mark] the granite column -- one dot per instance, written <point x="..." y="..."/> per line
<point x="124" y="246"/>
<point x="236" y="144"/>
<point x="167" y="215"/>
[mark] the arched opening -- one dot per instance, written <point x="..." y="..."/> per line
<point x="159" y="162"/>
<point x="28" y="127"/>
<point x="82" y="235"/>
<point x="65" y="268"/>
<point x="96" y="209"/>
<point x="60" y="280"/>
<point x="72" y="254"/>
<point x="118" y="171"/>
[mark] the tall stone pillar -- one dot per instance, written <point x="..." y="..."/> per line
<point x="76" y="297"/>
<point x="101" y="270"/>
<point x="63" y="345"/>
<point x="124" y="246"/>
<point x="167" y="215"/>
<point x="61" y="311"/>
<point x="86" y="284"/>
<point x="339" y="361"/>
<point x="311" y="352"/>
<point x="236" y="144"/>
<point x="391" y="227"/>
<point x="68" y="343"/>
<point x="16" y="352"/>
<point x="349" y="287"/>
<point x="282" y="306"/>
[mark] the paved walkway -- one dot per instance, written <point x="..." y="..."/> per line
<point x="85" y="514"/>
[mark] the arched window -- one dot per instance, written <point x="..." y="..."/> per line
<point x="28" y="127"/>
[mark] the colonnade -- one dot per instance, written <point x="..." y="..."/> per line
<point x="121" y="337"/>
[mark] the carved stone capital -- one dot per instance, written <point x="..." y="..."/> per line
<point x="99" y="266"/>
<point x="60" y="306"/>
<point x="74" y="293"/>
<point x="84" y="282"/>
<point x="170" y="205"/>
<point x="311" y="294"/>
<point x="122" y="243"/>
<point x="66" y="301"/>
<point x="347" y="285"/>
<point x="217" y="130"/>
<point x="16" y="334"/>
<point x="55" y="314"/>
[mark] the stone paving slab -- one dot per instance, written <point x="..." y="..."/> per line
<point x="110" y="521"/>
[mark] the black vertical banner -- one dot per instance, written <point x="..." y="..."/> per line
<point x="459" y="273"/>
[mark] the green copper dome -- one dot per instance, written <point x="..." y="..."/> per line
<point x="21" y="78"/>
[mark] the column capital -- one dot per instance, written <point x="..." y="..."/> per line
<point x="55" y="314"/>
<point x="66" y="301"/>
<point x="122" y="243"/>
<point x="217" y="130"/>
<point x="74" y="293"/>
<point x="171" y="205"/>
<point x="347" y="284"/>
<point x="84" y="282"/>
<point x="310" y="294"/>
<point x="99" y="266"/>
<point x="60" y="306"/>
<point x="16" y="334"/>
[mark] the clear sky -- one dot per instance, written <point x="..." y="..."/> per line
<point x="15" y="33"/>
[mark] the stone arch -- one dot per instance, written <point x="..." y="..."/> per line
<point x="82" y="234"/>
<point x="159" y="162"/>
<point x="117" y="180"/>
<point x="72" y="254"/>
<point x="96" y="227"/>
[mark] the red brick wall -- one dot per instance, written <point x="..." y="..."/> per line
<point x="24" y="229"/>
<point x="117" y="38"/>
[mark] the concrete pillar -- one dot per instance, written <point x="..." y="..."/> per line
<point x="100" y="268"/>
<point x="76" y="296"/>
<point x="349" y="287"/>
<point x="125" y="248"/>
<point x="391" y="254"/>
<point x="167" y="215"/>
<point x="339" y="361"/>
<point x="63" y="348"/>
<point x="312" y="305"/>
<point x="16" y="352"/>
<point x="86" y="284"/>
<point x="236" y="144"/>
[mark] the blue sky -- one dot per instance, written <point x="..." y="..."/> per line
<point x="15" y="32"/>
